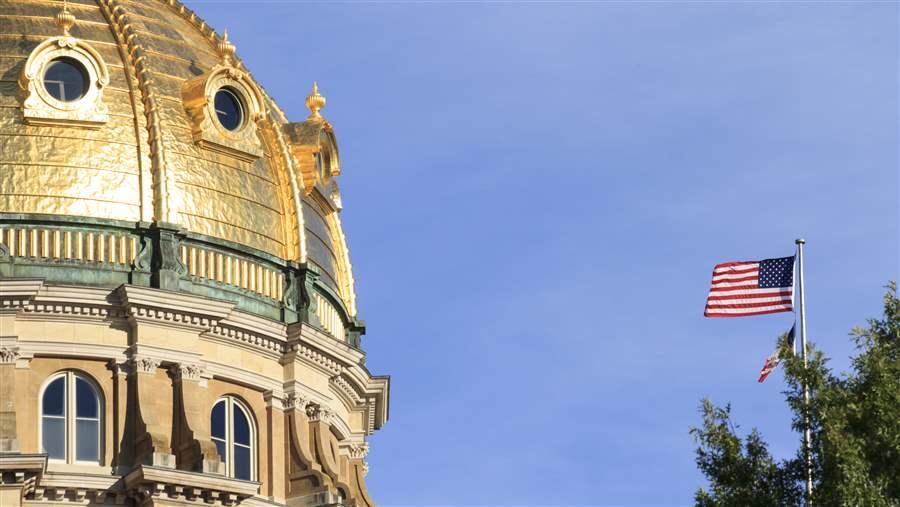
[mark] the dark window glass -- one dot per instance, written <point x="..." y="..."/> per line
<point x="218" y="421"/>
<point x="228" y="109"/>
<point x="241" y="427"/>
<point x="53" y="434"/>
<point x="242" y="462"/>
<point x="66" y="79"/>
<point x="87" y="440"/>
<point x="55" y="397"/>
<point x="85" y="400"/>
<point x="220" y="447"/>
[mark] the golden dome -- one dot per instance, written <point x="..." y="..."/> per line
<point x="143" y="144"/>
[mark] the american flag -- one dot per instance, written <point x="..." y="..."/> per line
<point x="740" y="289"/>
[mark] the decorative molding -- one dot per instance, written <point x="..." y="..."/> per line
<point x="9" y="354"/>
<point x="315" y="358"/>
<point x="16" y="293"/>
<point x="256" y="342"/>
<point x="147" y="482"/>
<point x="172" y="308"/>
<point x="319" y="413"/>
<point x="294" y="401"/>
<point x="145" y="364"/>
<point x="358" y="450"/>
<point x="126" y="35"/>
<point x="346" y="392"/>
<point x="23" y="470"/>
<point x="41" y="108"/>
<point x="187" y="371"/>
<point x="199" y="102"/>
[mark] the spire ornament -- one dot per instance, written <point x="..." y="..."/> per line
<point x="65" y="19"/>
<point x="315" y="102"/>
<point x="226" y="49"/>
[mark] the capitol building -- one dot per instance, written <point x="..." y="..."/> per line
<point x="178" y="321"/>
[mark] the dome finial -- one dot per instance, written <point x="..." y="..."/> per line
<point x="315" y="102"/>
<point x="226" y="49"/>
<point x="65" y="19"/>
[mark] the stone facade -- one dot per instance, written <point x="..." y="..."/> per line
<point x="160" y="366"/>
<point x="178" y="317"/>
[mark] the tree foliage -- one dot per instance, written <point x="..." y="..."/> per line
<point x="855" y="424"/>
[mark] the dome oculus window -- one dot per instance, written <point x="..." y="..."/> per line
<point x="70" y="419"/>
<point x="234" y="436"/>
<point x="229" y="109"/>
<point x="66" y="79"/>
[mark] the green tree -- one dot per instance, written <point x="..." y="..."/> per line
<point x="855" y="423"/>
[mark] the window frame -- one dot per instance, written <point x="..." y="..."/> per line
<point x="240" y="106"/>
<point x="231" y="404"/>
<point x="78" y="66"/>
<point x="70" y="417"/>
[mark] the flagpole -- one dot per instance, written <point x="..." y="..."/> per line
<point x="807" y="444"/>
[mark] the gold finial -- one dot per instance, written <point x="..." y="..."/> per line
<point x="226" y="49"/>
<point x="315" y="102"/>
<point x="65" y="19"/>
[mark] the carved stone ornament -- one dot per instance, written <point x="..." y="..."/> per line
<point x="146" y="364"/>
<point x="8" y="354"/>
<point x="199" y="102"/>
<point x="39" y="107"/>
<point x="187" y="371"/>
<point x="317" y="412"/>
<point x="358" y="451"/>
<point x="294" y="401"/>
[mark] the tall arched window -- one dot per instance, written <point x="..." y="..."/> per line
<point x="70" y="419"/>
<point x="235" y="437"/>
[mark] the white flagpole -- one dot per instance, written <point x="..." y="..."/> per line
<point x="807" y="439"/>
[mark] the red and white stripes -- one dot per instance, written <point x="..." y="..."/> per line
<point x="735" y="292"/>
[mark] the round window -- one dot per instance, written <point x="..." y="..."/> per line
<point x="229" y="109"/>
<point x="66" y="79"/>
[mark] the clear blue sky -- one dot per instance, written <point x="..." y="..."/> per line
<point x="535" y="195"/>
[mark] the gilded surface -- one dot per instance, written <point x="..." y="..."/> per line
<point x="64" y="170"/>
<point x="143" y="163"/>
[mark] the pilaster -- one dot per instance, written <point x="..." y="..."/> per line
<point x="9" y="354"/>
<point x="152" y="413"/>
<point x="193" y="445"/>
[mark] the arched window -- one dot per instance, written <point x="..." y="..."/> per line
<point x="235" y="438"/>
<point x="70" y="419"/>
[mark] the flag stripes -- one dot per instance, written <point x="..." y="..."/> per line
<point x="751" y="288"/>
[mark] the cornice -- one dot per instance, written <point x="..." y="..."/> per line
<point x="348" y="380"/>
<point x="25" y="470"/>
<point x="145" y="482"/>
<point x="15" y="293"/>
<point x="170" y="305"/>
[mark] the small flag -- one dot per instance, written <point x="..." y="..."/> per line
<point x="773" y="360"/>
<point x="770" y="365"/>
<point x="740" y="289"/>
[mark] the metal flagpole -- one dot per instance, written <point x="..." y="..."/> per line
<point x="807" y="440"/>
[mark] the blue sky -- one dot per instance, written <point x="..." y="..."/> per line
<point x="535" y="195"/>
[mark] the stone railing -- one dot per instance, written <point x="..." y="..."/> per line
<point x="76" y="245"/>
<point x="329" y="318"/>
<point x="232" y="270"/>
